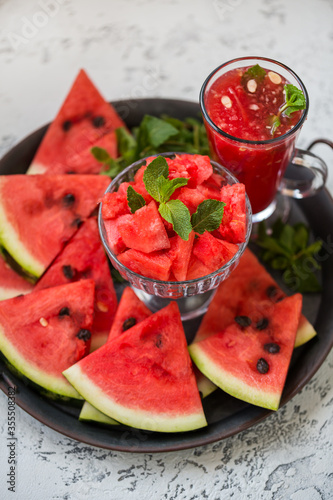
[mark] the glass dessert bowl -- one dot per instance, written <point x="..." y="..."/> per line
<point x="192" y="295"/>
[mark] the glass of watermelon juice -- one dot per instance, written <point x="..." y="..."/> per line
<point x="240" y="108"/>
<point x="193" y="296"/>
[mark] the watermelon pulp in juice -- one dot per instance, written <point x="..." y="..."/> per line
<point x="243" y="108"/>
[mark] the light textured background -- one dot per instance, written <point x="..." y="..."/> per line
<point x="146" y="48"/>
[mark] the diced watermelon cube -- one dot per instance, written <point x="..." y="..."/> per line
<point x="155" y="265"/>
<point x="233" y="226"/>
<point x="212" y="252"/>
<point x="196" y="269"/>
<point x="211" y="188"/>
<point x="179" y="254"/>
<point x="113" y="205"/>
<point x="144" y="230"/>
<point x="190" y="197"/>
<point x="114" y="238"/>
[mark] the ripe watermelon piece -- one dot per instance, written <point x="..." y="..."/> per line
<point x="190" y="197"/>
<point x="212" y="252"/>
<point x="127" y="376"/>
<point x="114" y="204"/>
<point x="195" y="167"/>
<point x="155" y="265"/>
<point x="248" y="282"/>
<point x="180" y="254"/>
<point x="130" y="312"/>
<point x="46" y="331"/>
<point x="39" y="214"/>
<point x="144" y="230"/>
<point x="11" y="283"/>
<point x="84" y="120"/>
<point x="83" y="257"/>
<point x="251" y="361"/>
<point x="113" y="236"/>
<point x="233" y="227"/>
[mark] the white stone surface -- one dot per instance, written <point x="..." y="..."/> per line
<point x="176" y="43"/>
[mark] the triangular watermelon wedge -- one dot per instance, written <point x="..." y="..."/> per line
<point x="11" y="283"/>
<point x="84" y="257"/>
<point x="131" y="310"/>
<point x="144" y="378"/>
<point x="39" y="214"/>
<point x="250" y="361"/>
<point x="45" y="332"/>
<point x="84" y="120"/>
<point x="248" y="282"/>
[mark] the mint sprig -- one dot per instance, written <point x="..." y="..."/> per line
<point x="288" y="250"/>
<point x="177" y="214"/>
<point x="256" y="73"/>
<point x="295" y="101"/>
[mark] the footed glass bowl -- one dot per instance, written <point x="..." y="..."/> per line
<point x="193" y="296"/>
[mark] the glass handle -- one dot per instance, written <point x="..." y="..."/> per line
<point x="313" y="180"/>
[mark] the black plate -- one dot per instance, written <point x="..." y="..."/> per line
<point x="226" y="415"/>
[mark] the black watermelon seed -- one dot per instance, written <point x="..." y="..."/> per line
<point x="69" y="272"/>
<point x="272" y="348"/>
<point x="128" y="323"/>
<point x="262" y="366"/>
<point x="84" y="334"/>
<point x="67" y="124"/>
<point x="158" y="342"/>
<point x="243" y="321"/>
<point x="262" y="324"/>
<point x="274" y="293"/>
<point x="98" y="121"/>
<point x="68" y="200"/>
<point x="64" y="311"/>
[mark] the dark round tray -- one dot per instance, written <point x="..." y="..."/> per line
<point x="226" y="415"/>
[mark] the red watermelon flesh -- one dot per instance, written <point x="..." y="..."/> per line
<point x="212" y="252"/>
<point x="114" y="204"/>
<point x="39" y="214"/>
<point x="113" y="236"/>
<point x="83" y="257"/>
<point x="131" y="310"/>
<point x="251" y="361"/>
<point x="180" y="254"/>
<point x="84" y="120"/>
<point x="155" y="265"/>
<point x="46" y="331"/>
<point x="233" y="227"/>
<point x="248" y="282"/>
<point x="144" y="378"/>
<point x="144" y="230"/>
<point x="11" y="283"/>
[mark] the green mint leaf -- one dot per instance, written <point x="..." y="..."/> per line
<point x="276" y="122"/>
<point x="153" y="132"/>
<point x="295" y="100"/>
<point x="256" y="73"/>
<point x="125" y="141"/>
<point x="158" y="167"/>
<point x="167" y="187"/>
<point x="134" y="200"/>
<point x="100" y="154"/>
<point x="208" y="216"/>
<point x="177" y="214"/>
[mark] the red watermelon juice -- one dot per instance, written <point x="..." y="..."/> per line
<point x="241" y="103"/>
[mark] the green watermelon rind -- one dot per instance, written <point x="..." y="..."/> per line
<point x="137" y="418"/>
<point x="9" y="293"/>
<point x="90" y="414"/>
<point x="231" y="384"/>
<point x="9" y="238"/>
<point x="57" y="385"/>
<point x="305" y="332"/>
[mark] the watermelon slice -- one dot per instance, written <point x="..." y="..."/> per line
<point x="46" y="331"/>
<point x="83" y="257"/>
<point x="180" y="254"/>
<point x="233" y="227"/>
<point x="155" y="265"/>
<point x="250" y="358"/>
<point x="38" y="214"/>
<point x="11" y="283"/>
<point x="129" y="313"/>
<point x="144" y="378"/>
<point x="84" y="120"/>
<point x="248" y="282"/>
